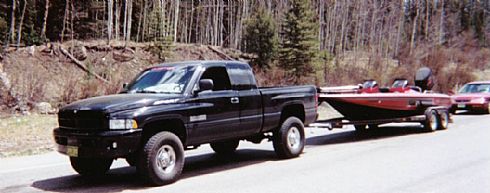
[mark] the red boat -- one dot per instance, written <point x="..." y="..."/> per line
<point x="372" y="106"/>
<point x="397" y="102"/>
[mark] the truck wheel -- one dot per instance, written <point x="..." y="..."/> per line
<point x="289" y="140"/>
<point x="431" y="120"/>
<point x="91" y="166"/>
<point x="443" y="120"/>
<point x="162" y="159"/>
<point x="225" y="147"/>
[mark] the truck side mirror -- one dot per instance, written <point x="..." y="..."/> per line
<point x="205" y="84"/>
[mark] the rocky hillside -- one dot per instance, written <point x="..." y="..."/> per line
<point x="43" y="78"/>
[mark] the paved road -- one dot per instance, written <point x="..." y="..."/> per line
<point x="394" y="158"/>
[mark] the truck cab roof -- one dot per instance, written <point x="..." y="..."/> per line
<point x="204" y="63"/>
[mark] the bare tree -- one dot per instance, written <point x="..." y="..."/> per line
<point x="110" y="12"/>
<point x="65" y="18"/>
<point x="11" y="34"/>
<point x="45" y="20"/>
<point x="21" y="22"/>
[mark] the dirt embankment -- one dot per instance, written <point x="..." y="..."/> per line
<point x="43" y="78"/>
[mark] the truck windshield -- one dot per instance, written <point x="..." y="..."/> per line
<point x="165" y="79"/>
<point x="475" y="88"/>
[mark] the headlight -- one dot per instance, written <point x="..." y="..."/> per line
<point x="122" y="124"/>
<point x="478" y="100"/>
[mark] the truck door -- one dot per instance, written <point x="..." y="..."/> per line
<point x="218" y="118"/>
<point x="250" y="101"/>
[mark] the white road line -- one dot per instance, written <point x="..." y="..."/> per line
<point x="31" y="168"/>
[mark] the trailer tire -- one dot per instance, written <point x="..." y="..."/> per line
<point x="162" y="159"/>
<point x="91" y="167"/>
<point x="225" y="147"/>
<point x="431" y="120"/>
<point x="289" y="139"/>
<point x="443" y="120"/>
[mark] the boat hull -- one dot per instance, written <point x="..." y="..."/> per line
<point x="384" y="105"/>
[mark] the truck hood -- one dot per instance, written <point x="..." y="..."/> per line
<point x="118" y="102"/>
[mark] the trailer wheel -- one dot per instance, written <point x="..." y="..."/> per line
<point x="443" y="120"/>
<point x="431" y="120"/>
<point x="225" y="147"/>
<point x="91" y="167"/>
<point x="162" y="159"/>
<point x="289" y="140"/>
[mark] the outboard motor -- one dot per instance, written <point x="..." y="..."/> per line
<point x="424" y="79"/>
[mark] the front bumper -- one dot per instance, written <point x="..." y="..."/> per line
<point x="470" y="106"/>
<point x="101" y="144"/>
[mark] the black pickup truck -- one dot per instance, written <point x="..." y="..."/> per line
<point x="173" y="107"/>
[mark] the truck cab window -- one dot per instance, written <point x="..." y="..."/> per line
<point x="241" y="77"/>
<point x="219" y="76"/>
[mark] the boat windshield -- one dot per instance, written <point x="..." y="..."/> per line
<point x="369" y="84"/>
<point x="475" y="88"/>
<point x="400" y="83"/>
<point x="165" y="79"/>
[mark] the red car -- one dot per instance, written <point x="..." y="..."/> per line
<point x="474" y="96"/>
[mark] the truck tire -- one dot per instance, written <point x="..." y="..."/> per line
<point x="443" y="120"/>
<point x="91" y="167"/>
<point x="162" y="159"/>
<point x="225" y="147"/>
<point x="289" y="139"/>
<point x="431" y="120"/>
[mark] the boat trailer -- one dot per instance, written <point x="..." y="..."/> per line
<point x="434" y="118"/>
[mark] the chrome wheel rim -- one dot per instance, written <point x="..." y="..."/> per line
<point x="165" y="159"/>
<point x="444" y="120"/>
<point x="433" y="120"/>
<point x="294" y="138"/>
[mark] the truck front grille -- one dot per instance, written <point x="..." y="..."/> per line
<point x="82" y="119"/>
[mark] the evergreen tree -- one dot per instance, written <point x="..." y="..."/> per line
<point x="299" y="46"/>
<point x="260" y="38"/>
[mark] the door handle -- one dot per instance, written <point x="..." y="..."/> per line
<point x="235" y="100"/>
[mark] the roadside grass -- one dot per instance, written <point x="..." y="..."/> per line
<point x="32" y="134"/>
<point x="26" y="135"/>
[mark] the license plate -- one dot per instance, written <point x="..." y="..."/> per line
<point x="72" y="151"/>
<point x="461" y="105"/>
